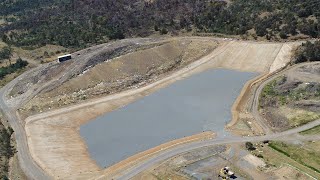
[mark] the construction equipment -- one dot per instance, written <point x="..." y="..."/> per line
<point x="225" y="173"/>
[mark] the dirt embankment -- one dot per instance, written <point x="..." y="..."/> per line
<point x="114" y="170"/>
<point x="53" y="136"/>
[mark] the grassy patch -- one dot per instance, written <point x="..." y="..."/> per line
<point x="303" y="118"/>
<point x="269" y="90"/>
<point x="307" y="157"/>
<point x="312" y="131"/>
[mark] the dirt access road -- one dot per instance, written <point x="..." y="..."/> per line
<point x="219" y="141"/>
<point x="239" y="55"/>
<point x="254" y="105"/>
<point x="28" y="165"/>
<point x="9" y="106"/>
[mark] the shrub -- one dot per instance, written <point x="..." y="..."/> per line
<point x="12" y="68"/>
<point x="250" y="146"/>
<point x="308" y="52"/>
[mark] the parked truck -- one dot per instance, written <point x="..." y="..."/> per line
<point x="64" y="58"/>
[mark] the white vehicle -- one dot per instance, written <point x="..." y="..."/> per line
<point x="64" y="58"/>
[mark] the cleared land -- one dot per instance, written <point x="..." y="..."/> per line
<point x="293" y="98"/>
<point x="299" y="159"/>
<point x="205" y="163"/>
<point x="312" y="131"/>
<point x="66" y="156"/>
<point x="305" y="153"/>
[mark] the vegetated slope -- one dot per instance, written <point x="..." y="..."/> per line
<point x="76" y="24"/>
<point x="6" y="149"/>
<point x="135" y="67"/>
<point x="309" y="51"/>
<point x="293" y="99"/>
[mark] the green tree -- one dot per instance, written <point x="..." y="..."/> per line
<point x="283" y="35"/>
<point x="309" y="51"/>
<point x="163" y="31"/>
<point x="156" y="28"/>
<point x="250" y="146"/>
<point x="6" y="53"/>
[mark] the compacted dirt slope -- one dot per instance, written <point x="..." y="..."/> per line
<point x="246" y="56"/>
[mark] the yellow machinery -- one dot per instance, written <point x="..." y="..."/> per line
<point x="225" y="173"/>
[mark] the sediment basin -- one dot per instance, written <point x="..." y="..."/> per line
<point x="198" y="103"/>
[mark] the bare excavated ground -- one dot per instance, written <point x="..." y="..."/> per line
<point x="292" y="99"/>
<point x="262" y="163"/>
<point x="205" y="163"/>
<point x="136" y="67"/>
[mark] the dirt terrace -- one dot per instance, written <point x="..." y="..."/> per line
<point x="53" y="136"/>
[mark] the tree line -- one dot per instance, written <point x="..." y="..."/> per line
<point x="79" y="23"/>
<point x="19" y="64"/>
<point x="6" y="150"/>
<point x="6" y="54"/>
<point x="308" y="52"/>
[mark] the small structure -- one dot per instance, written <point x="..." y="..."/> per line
<point x="225" y="173"/>
<point x="64" y="58"/>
